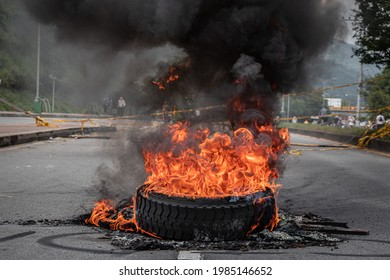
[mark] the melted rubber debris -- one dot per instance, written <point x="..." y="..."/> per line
<point x="287" y="235"/>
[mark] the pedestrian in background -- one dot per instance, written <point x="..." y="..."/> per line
<point x="121" y="106"/>
<point x="294" y="119"/>
<point x="380" y="121"/>
<point x="323" y="116"/>
<point x="106" y="104"/>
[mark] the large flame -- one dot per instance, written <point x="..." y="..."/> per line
<point x="199" y="165"/>
<point x="192" y="163"/>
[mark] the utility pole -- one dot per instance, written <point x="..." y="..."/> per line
<point x="54" y="90"/>
<point x="288" y="107"/>
<point x="361" y="75"/>
<point x="282" y="111"/>
<point x="37" y="101"/>
<point x="359" y="92"/>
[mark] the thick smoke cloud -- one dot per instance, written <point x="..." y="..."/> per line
<point x="280" y="35"/>
<point x="262" y="45"/>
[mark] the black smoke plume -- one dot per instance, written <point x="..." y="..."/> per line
<point x="279" y="35"/>
<point x="260" y="46"/>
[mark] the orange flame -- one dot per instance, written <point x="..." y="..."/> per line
<point x="172" y="76"/>
<point x="105" y="214"/>
<point x="160" y="85"/>
<point x="196" y="164"/>
<point x="214" y="166"/>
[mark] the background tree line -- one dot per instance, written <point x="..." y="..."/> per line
<point x="372" y="34"/>
<point x="18" y="58"/>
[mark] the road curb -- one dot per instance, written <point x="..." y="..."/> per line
<point x="374" y="144"/>
<point x="53" y="115"/>
<point x="23" y="138"/>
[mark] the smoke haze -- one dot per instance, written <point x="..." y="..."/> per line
<point x="266" y="43"/>
<point x="281" y="35"/>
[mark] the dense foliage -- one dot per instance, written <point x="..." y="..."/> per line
<point x="372" y="31"/>
<point x="16" y="60"/>
<point x="378" y="92"/>
<point x="305" y="104"/>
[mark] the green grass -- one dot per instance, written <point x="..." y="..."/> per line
<point x="25" y="100"/>
<point x="350" y="131"/>
<point x="62" y="106"/>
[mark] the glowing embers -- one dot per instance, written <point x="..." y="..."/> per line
<point x="174" y="73"/>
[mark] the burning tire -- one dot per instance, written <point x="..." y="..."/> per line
<point x="228" y="218"/>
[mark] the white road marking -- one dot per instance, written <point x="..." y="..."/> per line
<point x="188" y="255"/>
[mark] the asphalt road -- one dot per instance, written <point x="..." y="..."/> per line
<point x="57" y="180"/>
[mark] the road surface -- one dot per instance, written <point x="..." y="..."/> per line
<point x="58" y="179"/>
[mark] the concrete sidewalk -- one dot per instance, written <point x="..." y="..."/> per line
<point x="52" y="115"/>
<point x="375" y="144"/>
<point x="18" y="128"/>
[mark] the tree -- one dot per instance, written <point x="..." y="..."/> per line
<point x="378" y="91"/>
<point x="12" y="71"/>
<point x="306" y="104"/>
<point x="372" y="31"/>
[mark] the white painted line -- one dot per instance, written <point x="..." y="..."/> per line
<point x="188" y="255"/>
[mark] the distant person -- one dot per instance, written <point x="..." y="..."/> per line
<point x="294" y="119"/>
<point x="336" y="120"/>
<point x="351" y="121"/>
<point x="323" y="116"/>
<point x="357" y="123"/>
<point x="121" y="106"/>
<point x="380" y="121"/>
<point x="106" y="104"/>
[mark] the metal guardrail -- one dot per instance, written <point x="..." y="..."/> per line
<point x="46" y="105"/>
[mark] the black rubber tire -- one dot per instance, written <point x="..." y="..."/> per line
<point x="178" y="218"/>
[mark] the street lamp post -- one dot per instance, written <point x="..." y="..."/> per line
<point x="361" y="86"/>
<point x="282" y="109"/>
<point x="288" y="107"/>
<point x="54" y="90"/>
<point x="37" y="102"/>
<point x="359" y="92"/>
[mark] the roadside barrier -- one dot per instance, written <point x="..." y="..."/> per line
<point x="369" y="136"/>
<point x="317" y="90"/>
<point x="82" y="122"/>
<point x="383" y="109"/>
<point x="299" y="152"/>
<point x="173" y="112"/>
<point x="41" y="122"/>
